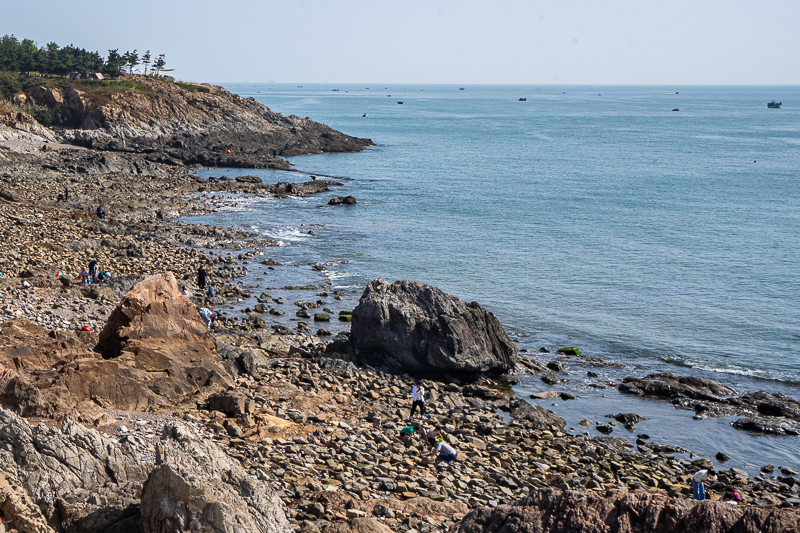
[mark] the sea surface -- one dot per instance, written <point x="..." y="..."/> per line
<point x="656" y="227"/>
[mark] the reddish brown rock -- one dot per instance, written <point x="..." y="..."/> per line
<point x="555" y="511"/>
<point x="157" y="330"/>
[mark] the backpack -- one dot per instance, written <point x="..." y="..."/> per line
<point x="407" y="431"/>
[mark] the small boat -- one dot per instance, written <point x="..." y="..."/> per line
<point x="676" y="109"/>
<point x="460" y="88"/>
<point x="335" y="90"/>
<point x="522" y="100"/>
<point x="401" y="103"/>
<point x="364" y="115"/>
<point x="774" y="105"/>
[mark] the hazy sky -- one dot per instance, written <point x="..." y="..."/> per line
<point x="436" y="41"/>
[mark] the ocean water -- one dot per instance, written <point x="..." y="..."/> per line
<point x="589" y="216"/>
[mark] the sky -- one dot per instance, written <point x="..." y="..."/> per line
<point x="461" y="42"/>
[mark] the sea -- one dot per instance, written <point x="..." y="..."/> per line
<point x="657" y="228"/>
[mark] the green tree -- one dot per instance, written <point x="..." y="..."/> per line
<point x="131" y="60"/>
<point x="114" y="63"/>
<point x="159" y="63"/>
<point x="146" y="61"/>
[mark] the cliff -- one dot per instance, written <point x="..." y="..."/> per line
<point x="185" y="124"/>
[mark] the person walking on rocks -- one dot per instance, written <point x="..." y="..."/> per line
<point x="417" y="399"/>
<point x="93" y="270"/>
<point x="698" y="489"/>
<point x="66" y="192"/>
<point x="101" y="213"/>
<point x="201" y="277"/>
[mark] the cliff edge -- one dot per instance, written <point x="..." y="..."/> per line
<point x="185" y="124"/>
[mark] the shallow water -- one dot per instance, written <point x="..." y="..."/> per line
<point x="588" y="216"/>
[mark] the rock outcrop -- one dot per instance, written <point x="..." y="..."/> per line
<point x="765" y="412"/>
<point x="157" y="330"/>
<point x="419" y="328"/>
<point x="68" y="479"/>
<point x="555" y="511"/>
<point x="195" y="486"/>
<point x="191" y="123"/>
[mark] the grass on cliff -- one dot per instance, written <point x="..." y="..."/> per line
<point x="12" y="83"/>
<point x="192" y="87"/>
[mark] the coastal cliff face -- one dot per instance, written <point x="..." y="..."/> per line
<point x="199" y="124"/>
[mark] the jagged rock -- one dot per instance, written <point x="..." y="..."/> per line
<point x="553" y="511"/>
<point x="195" y="486"/>
<point x="58" y="469"/>
<point x="769" y="425"/>
<point x="669" y="386"/>
<point x="158" y="330"/>
<point x="419" y="328"/>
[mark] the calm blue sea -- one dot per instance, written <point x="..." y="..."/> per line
<point x="655" y="227"/>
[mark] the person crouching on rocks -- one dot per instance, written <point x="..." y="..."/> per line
<point x="417" y="399"/>
<point x="208" y="317"/>
<point x="698" y="489"/>
<point x="445" y="451"/>
<point x="434" y="435"/>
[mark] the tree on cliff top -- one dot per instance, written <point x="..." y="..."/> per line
<point x="131" y="60"/>
<point x="159" y="63"/>
<point x="113" y="63"/>
<point x="146" y="61"/>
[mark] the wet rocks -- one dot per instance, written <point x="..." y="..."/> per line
<point x="667" y="385"/>
<point x="419" y="328"/>
<point x="339" y="200"/>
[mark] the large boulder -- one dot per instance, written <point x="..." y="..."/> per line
<point x="418" y="328"/>
<point x="72" y="478"/>
<point x="158" y="330"/>
<point x="195" y="486"/>
<point x="554" y="511"/>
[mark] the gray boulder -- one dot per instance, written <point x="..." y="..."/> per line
<point x="195" y="486"/>
<point x="69" y="478"/>
<point x="418" y="328"/>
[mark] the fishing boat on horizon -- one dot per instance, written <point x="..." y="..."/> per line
<point x="774" y="105"/>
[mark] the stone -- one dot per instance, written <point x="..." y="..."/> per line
<point x="536" y="417"/>
<point x="419" y="328"/>
<point x="555" y="366"/>
<point x="231" y="403"/>
<point x="338" y="200"/>
<point x="544" y="395"/>
<point x="550" y="379"/>
<point x="569" y="350"/>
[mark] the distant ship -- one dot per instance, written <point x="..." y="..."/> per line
<point x="522" y="100"/>
<point x="774" y="105"/>
<point x="460" y="88"/>
<point x="401" y="103"/>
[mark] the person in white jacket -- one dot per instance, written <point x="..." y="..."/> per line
<point x="417" y="399"/>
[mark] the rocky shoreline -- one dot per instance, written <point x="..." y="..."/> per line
<point x="291" y="430"/>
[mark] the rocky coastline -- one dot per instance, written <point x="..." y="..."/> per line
<point x="122" y="412"/>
